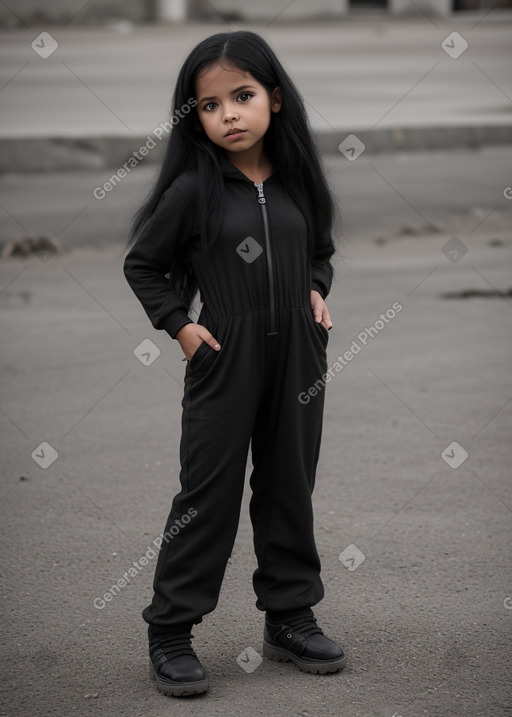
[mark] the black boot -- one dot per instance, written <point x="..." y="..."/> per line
<point x="295" y="636"/>
<point x="173" y="664"/>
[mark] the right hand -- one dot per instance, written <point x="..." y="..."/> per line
<point x="191" y="336"/>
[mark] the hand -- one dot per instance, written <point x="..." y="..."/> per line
<point x="191" y="336"/>
<point x="320" y="310"/>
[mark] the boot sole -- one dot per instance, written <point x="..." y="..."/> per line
<point x="177" y="689"/>
<point x="313" y="667"/>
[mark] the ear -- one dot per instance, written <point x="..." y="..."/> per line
<point x="276" y="100"/>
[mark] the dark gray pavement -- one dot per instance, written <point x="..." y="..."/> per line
<point x="379" y="195"/>
<point x="426" y="616"/>
<point x="411" y="83"/>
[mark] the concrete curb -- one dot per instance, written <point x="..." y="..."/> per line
<point x="411" y="139"/>
<point x="50" y="154"/>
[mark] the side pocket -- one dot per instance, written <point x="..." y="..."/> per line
<point x="199" y="354"/>
<point x="324" y="333"/>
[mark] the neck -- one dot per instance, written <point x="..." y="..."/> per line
<point x="254" y="163"/>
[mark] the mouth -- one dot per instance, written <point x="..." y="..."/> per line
<point x="235" y="132"/>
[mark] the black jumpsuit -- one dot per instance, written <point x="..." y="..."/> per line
<point x="255" y="285"/>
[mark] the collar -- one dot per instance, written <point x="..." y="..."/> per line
<point x="230" y="170"/>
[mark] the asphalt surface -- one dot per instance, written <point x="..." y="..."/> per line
<point x="379" y="196"/>
<point x="425" y="617"/>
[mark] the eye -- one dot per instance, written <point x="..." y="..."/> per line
<point x="246" y="95"/>
<point x="208" y="107"/>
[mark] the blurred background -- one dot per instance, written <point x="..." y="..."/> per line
<point x="410" y="102"/>
<point x="85" y="85"/>
<point x="31" y="12"/>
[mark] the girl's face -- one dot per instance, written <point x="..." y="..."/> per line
<point x="230" y="99"/>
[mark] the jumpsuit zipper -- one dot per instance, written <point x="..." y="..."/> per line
<point x="262" y="202"/>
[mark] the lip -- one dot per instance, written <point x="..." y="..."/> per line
<point x="235" y="132"/>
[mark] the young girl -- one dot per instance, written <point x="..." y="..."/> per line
<point x="241" y="211"/>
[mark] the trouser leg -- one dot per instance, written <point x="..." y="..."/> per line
<point x="285" y="450"/>
<point x="218" y="415"/>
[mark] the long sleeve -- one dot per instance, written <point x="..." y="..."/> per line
<point x="321" y="268"/>
<point x="152" y="256"/>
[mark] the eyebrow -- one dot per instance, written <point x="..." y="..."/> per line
<point x="233" y="92"/>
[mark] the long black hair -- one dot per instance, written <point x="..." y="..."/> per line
<point x="288" y="144"/>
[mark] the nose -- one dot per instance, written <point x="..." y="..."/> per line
<point x="230" y="114"/>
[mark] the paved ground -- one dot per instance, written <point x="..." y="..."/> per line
<point x="408" y="82"/>
<point x="426" y="617"/>
<point x="380" y="196"/>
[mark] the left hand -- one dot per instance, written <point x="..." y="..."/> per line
<point x="320" y="310"/>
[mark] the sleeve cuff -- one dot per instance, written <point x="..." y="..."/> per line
<point x="316" y="286"/>
<point x="175" y="322"/>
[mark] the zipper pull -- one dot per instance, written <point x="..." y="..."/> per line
<point x="261" y="196"/>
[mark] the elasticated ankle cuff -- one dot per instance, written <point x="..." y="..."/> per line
<point x="283" y="615"/>
<point x="161" y="630"/>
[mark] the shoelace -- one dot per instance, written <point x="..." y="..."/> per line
<point x="174" y="645"/>
<point x="305" y="625"/>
